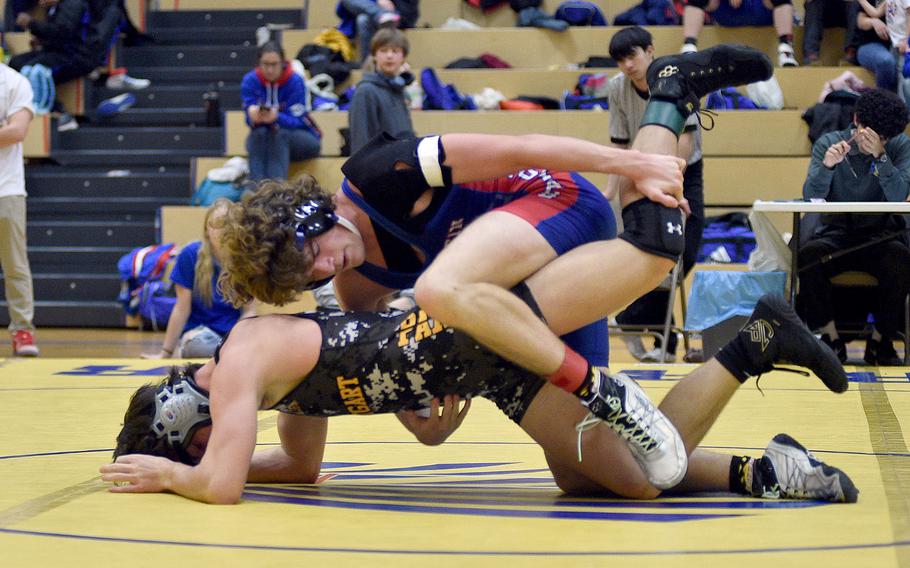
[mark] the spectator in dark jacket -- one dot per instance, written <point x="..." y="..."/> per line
<point x="63" y="40"/>
<point x="275" y="103"/>
<point x="380" y="103"/>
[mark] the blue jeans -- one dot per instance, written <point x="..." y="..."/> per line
<point x="271" y="151"/>
<point x="367" y="12"/>
<point x="877" y="58"/>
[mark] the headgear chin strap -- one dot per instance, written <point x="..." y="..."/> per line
<point x="314" y="218"/>
<point x="180" y="409"/>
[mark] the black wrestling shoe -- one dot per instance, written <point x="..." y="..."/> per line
<point x="775" y="334"/>
<point x="684" y="78"/>
<point x="617" y="401"/>
<point x="790" y="471"/>
<point x="881" y="353"/>
<point x="836" y="345"/>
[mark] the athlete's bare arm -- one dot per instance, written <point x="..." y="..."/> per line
<point x="475" y="157"/>
<point x="298" y="458"/>
<point x="220" y="475"/>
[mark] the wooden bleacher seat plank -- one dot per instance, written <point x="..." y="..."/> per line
<point x="737" y="133"/>
<point x="195" y="5"/>
<point x="535" y="48"/>
<point x="800" y="85"/>
<point x="326" y="170"/>
<point x="738" y="182"/>
<point x="37" y="143"/>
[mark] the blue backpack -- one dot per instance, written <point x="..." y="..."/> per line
<point x="730" y="99"/>
<point x="581" y="14"/>
<point x="42" y="81"/>
<point x="439" y="96"/>
<point x="139" y="266"/>
<point x="726" y="239"/>
<point x="155" y="302"/>
<point x="210" y="191"/>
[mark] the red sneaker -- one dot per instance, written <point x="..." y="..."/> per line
<point x="24" y="344"/>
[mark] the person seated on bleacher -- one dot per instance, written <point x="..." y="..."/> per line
<point x="275" y="104"/>
<point x="821" y="14"/>
<point x="362" y="18"/>
<point x="201" y="316"/>
<point x="735" y="13"/>
<point x="868" y="162"/>
<point x="874" y="52"/>
<point x="897" y="19"/>
<point x="380" y="103"/>
<point x="633" y="50"/>
<point x="62" y="45"/>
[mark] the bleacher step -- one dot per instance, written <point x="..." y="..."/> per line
<point x="227" y="36"/>
<point x="177" y="96"/>
<point x="72" y="314"/>
<point x="90" y="233"/>
<point x="73" y="287"/>
<point x="181" y="56"/>
<point x="141" y="209"/>
<point x="141" y="138"/>
<point x="204" y="19"/>
<point x="57" y="181"/>
<point x="129" y="158"/>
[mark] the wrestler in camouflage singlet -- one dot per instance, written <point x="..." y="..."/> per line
<point x="373" y="363"/>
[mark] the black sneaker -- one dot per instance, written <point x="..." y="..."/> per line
<point x="836" y="345"/>
<point x="685" y="78"/>
<point x="775" y="334"/>
<point x="790" y="471"/>
<point x="882" y="353"/>
<point x="617" y="401"/>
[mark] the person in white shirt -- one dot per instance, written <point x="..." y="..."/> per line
<point x="16" y="113"/>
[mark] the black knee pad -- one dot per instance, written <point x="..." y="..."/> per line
<point x="653" y="228"/>
<point x="777" y="3"/>
<point x="524" y="294"/>
<point x="698" y="3"/>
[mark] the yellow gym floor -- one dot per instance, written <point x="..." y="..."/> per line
<point x="483" y="498"/>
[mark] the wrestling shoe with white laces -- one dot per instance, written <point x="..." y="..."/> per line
<point x="618" y="401"/>
<point x="790" y="471"/>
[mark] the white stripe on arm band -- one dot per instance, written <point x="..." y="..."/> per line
<point x="428" y="156"/>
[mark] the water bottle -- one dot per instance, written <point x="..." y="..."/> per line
<point x="212" y="104"/>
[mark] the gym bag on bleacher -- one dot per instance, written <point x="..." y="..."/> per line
<point x="440" y="96"/>
<point x="139" y="266"/>
<point x="580" y="14"/>
<point x="726" y="239"/>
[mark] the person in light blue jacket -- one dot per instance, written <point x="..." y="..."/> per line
<point x="281" y="130"/>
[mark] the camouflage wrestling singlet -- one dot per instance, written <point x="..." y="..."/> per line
<point x="373" y="363"/>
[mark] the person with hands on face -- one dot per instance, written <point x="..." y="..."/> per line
<point x="868" y="162"/>
<point x="275" y="104"/>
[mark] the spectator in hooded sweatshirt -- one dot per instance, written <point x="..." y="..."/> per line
<point x="379" y="101"/>
<point x="281" y="130"/>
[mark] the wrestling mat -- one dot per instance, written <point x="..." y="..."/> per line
<point x="484" y="498"/>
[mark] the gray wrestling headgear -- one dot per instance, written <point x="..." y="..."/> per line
<point x="180" y="409"/>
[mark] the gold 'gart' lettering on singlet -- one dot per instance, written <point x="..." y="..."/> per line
<point x="352" y="395"/>
<point x="419" y="326"/>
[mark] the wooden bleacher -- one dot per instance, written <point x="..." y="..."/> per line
<point x="737" y="133"/>
<point x="37" y="143"/>
<point x="534" y="48"/>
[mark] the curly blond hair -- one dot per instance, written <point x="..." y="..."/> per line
<point x="260" y="257"/>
